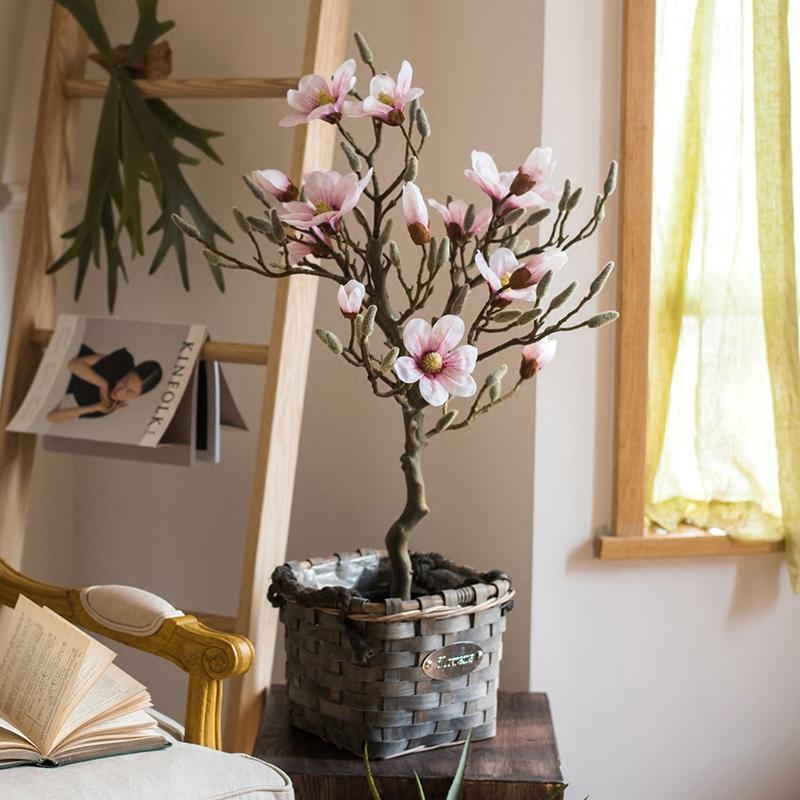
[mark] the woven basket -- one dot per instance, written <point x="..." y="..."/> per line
<point x="402" y="676"/>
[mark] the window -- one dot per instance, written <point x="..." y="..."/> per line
<point x="704" y="226"/>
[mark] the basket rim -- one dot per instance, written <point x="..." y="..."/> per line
<point x="477" y="596"/>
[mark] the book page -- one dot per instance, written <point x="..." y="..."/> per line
<point x="115" y="689"/>
<point x="40" y="661"/>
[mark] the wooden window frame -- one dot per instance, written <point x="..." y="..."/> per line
<point x="632" y="537"/>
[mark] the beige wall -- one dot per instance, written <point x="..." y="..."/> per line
<point x="667" y="680"/>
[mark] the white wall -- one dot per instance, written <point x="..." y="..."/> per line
<point x="667" y="679"/>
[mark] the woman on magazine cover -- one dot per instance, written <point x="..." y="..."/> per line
<point x="101" y="384"/>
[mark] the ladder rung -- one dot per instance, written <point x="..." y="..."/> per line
<point x="224" y="352"/>
<point x="191" y="87"/>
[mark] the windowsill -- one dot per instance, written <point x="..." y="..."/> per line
<point x="687" y="544"/>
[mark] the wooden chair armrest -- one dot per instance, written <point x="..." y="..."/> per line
<point x="207" y="655"/>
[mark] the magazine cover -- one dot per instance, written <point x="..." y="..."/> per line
<point x="111" y="380"/>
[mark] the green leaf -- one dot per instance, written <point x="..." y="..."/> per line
<point x="178" y="128"/>
<point x="420" y="790"/>
<point x="373" y="789"/>
<point x="85" y="13"/>
<point x="457" y="785"/>
<point x="147" y="31"/>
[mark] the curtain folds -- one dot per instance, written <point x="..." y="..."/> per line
<point x="724" y="400"/>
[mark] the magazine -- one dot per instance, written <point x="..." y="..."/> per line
<point x="128" y="389"/>
<point x="61" y="698"/>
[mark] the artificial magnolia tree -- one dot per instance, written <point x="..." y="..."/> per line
<point x="414" y="355"/>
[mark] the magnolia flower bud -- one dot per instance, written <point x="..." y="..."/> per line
<point x="259" y="193"/>
<point x="386" y="232"/>
<point x="460" y="300"/>
<point x="416" y="214"/>
<point x="443" y="252"/>
<point x="512" y="216"/>
<point x="611" y="179"/>
<point x="331" y="340"/>
<point x="394" y="253"/>
<point x="363" y="48"/>
<point x="469" y="217"/>
<point x="544" y="284"/>
<point x="509" y="315"/>
<point x="277" y="227"/>
<point x="529" y="316"/>
<point x="261" y="225"/>
<point x="352" y="157"/>
<point x="186" y="228"/>
<point x="494" y="392"/>
<point x="241" y="220"/>
<point x="358" y="321"/>
<point x="368" y="323"/>
<point x="423" y="125"/>
<point x="495" y="377"/>
<point x="574" y="198"/>
<point x="522" y="183"/>
<point x="520" y="278"/>
<point x="536" y="356"/>
<point x="563" y="296"/>
<point x="537" y="217"/>
<point x="359" y="215"/>
<point x="217" y="261"/>
<point x="387" y="362"/>
<point x="276" y="183"/>
<point x="446" y="420"/>
<point x="600" y="281"/>
<point x="350" y="298"/>
<point x="602" y="319"/>
<point x="411" y="170"/>
<point x="565" y="195"/>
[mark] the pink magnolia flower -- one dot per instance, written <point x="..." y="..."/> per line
<point x="551" y="260"/>
<point x="434" y="360"/>
<point x="538" y="167"/>
<point x="498" y="274"/>
<point x="387" y="98"/>
<point x="351" y="298"/>
<point x="536" y="356"/>
<point x="276" y="183"/>
<point x="416" y="214"/>
<point x="316" y="98"/>
<point x="329" y="196"/>
<point x="497" y="185"/>
<point x="453" y="216"/>
<point x="311" y="243"/>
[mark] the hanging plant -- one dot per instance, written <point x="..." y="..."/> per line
<point x="136" y="141"/>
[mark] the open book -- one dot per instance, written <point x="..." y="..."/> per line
<point x="61" y="698"/>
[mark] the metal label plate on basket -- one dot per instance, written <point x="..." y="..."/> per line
<point x="452" y="661"/>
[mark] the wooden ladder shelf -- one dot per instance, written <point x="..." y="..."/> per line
<point x="290" y="337"/>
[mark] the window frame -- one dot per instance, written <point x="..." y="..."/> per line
<point x="631" y="536"/>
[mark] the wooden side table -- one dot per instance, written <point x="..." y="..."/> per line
<point x="520" y="763"/>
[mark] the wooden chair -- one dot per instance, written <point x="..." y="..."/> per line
<point x="286" y="357"/>
<point x="183" y="771"/>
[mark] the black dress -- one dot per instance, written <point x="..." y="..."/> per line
<point x="112" y="367"/>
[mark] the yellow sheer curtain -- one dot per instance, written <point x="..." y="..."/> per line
<point x="724" y="401"/>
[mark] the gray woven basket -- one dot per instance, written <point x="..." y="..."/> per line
<point x="402" y="676"/>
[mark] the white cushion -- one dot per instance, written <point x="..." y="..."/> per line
<point x="180" y="772"/>
<point x="127" y="609"/>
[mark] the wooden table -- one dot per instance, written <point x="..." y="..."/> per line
<point x="520" y="763"/>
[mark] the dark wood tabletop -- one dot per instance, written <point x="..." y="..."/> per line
<point x="520" y="763"/>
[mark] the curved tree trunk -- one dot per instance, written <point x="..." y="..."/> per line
<point x="415" y="508"/>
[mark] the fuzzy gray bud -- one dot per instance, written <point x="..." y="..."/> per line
<point x="352" y="157"/>
<point x="241" y="220"/>
<point x="359" y="215"/>
<point x="529" y="316"/>
<point x="494" y="392"/>
<point x="387" y="362"/>
<point x="443" y="252"/>
<point x="431" y="263"/>
<point x="509" y="315"/>
<point x="216" y="261"/>
<point x="495" y="377"/>
<point x="277" y="228"/>
<point x="513" y="216"/>
<point x="446" y="420"/>
<point x="565" y="195"/>
<point x="536" y="217"/>
<point x="394" y="253"/>
<point x="412" y="169"/>
<point x="600" y="281"/>
<point x="599" y="320"/>
<point x="423" y="125"/>
<point x="611" y="179"/>
<point x="364" y="49"/>
<point x="460" y="300"/>
<point x="574" y="198"/>
<point x="259" y="193"/>
<point x="331" y="340"/>
<point x="469" y="217"/>
<point x="186" y="228"/>
<point x="544" y="284"/>
<point x="386" y="233"/>
<point x="563" y="296"/>
<point x="368" y="323"/>
<point x="358" y="321"/>
<point x="261" y="225"/>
